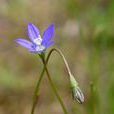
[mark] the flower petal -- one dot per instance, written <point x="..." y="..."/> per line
<point x="25" y="43"/>
<point x="48" y="34"/>
<point x="49" y="44"/>
<point x="33" y="31"/>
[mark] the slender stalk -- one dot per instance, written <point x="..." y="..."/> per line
<point x="54" y="88"/>
<point x="35" y="96"/>
<point x="76" y="91"/>
<point x="63" y="57"/>
<point x="64" y="60"/>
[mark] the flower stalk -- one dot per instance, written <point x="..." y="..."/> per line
<point x="36" y="92"/>
<point x="53" y="86"/>
<point x="76" y="91"/>
<point x="42" y="56"/>
<point x="35" y="95"/>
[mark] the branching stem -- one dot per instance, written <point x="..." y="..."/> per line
<point x="35" y="97"/>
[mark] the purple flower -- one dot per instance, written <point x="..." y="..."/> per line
<point x="37" y="44"/>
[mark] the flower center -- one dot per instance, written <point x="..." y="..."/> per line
<point x="38" y="40"/>
<point x="40" y="48"/>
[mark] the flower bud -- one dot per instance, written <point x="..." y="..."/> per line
<point x="78" y="95"/>
<point x="76" y="91"/>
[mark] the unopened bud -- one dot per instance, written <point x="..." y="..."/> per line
<point x="76" y="91"/>
<point x="78" y="95"/>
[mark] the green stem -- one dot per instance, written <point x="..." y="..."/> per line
<point x="54" y="88"/>
<point x="35" y="96"/>
<point x="64" y="59"/>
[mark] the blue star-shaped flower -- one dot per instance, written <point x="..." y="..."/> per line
<point x="38" y="44"/>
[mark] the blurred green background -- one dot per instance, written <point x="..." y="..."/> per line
<point x="84" y="31"/>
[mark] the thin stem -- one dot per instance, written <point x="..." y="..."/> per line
<point x="63" y="57"/>
<point x="65" y="62"/>
<point x="35" y="96"/>
<point x="54" y="89"/>
<point x="79" y="95"/>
